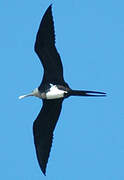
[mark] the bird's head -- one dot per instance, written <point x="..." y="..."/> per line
<point x="35" y="92"/>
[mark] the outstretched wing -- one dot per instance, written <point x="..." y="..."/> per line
<point x="46" y="50"/>
<point x="43" y="128"/>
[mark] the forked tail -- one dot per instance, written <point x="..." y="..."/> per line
<point x="86" y="93"/>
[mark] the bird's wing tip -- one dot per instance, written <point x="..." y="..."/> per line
<point x="44" y="171"/>
<point x="50" y="6"/>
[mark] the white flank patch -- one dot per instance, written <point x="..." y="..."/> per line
<point x="55" y="93"/>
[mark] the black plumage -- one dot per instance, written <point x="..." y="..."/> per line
<point x="43" y="128"/>
<point x="53" y="79"/>
<point x="53" y="73"/>
<point x="47" y="52"/>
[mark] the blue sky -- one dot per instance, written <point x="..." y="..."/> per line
<point x="89" y="137"/>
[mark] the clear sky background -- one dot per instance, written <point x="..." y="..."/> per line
<point x="89" y="137"/>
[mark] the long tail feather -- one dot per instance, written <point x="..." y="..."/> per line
<point x="86" y="93"/>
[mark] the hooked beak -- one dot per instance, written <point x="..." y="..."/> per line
<point x="27" y="95"/>
<point x="94" y="93"/>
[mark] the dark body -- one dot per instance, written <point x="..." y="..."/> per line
<point x="53" y="73"/>
<point x="45" y="123"/>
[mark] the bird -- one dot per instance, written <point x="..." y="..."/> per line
<point x="52" y="90"/>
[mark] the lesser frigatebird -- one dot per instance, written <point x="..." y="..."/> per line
<point x="52" y="90"/>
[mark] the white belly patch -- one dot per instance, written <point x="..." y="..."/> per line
<point x="55" y="93"/>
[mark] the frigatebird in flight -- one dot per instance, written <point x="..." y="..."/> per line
<point x="52" y="90"/>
